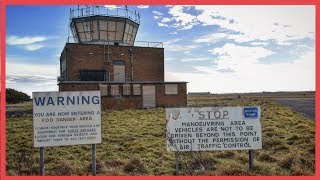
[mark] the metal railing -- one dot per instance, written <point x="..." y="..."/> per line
<point x="109" y="77"/>
<point x="92" y="10"/>
<point x="118" y="77"/>
<point x="71" y="39"/>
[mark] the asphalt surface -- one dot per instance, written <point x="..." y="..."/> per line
<point x="305" y="106"/>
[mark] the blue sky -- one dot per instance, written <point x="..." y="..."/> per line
<point x="221" y="49"/>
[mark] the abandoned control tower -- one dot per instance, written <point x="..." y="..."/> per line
<point x="105" y="56"/>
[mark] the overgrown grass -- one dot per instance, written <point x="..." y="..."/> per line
<point x="133" y="143"/>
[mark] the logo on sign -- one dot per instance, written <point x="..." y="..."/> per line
<point x="250" y="112"/>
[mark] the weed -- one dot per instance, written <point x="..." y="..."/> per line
<point x="135" y="167"/>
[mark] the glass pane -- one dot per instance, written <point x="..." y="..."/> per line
<point x="103" y="25"/>
<point x="127" y="28"/>
<point x="103" y="35"/>
<point x="82" y="37"/>
<point x="111" y="36"/>
<point x="79" y="27"/>
<point x="111" y="25"/>
<point x="119" y="31"/>
<point x="125" y="39"/>
<point x="87" y="26"/>
<point x="130" y="29"/>
<point x="95" y="30"/>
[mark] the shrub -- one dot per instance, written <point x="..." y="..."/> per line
<point x="14" y="96"/>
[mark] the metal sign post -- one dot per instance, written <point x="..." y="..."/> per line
<point x="177" y="163"/>
<point x="94" y="160"/>
<point x="41" y="161"/>
<point x="250" y="159"/>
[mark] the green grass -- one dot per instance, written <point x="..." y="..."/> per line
<point x="133" y="143"/>
<point x="20" y="106"/>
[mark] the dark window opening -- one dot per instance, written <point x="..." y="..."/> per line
<point x="92" y="75"/>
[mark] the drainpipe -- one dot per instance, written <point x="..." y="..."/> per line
<point x="131" y="58"/>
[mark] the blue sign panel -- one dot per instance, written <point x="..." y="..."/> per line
<point x="250" y="112"/>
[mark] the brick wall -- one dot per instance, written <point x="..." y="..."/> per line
<point x="132" y="102"/>
<point x="172" y="100"/>
<point x="148" y="62"/>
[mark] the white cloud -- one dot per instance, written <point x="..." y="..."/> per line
<point x="30" y="78"/>
<point x="239" y="58"/>
<point x="259" y="43"/>
<point x="169" y="59"/>
<point x="212" y="38"/>
<point x="172" y="45"/>
<point x="284" y="43"/>
<point x="143" y="6"/>
<point x="27" y="43"/>
<point x="195" y="59"/>
<point x="183" y="19"/>
<point x="248" y="75"/>
<point x="278" y="22"/>
<point x="162" y="24"/>
<point x="156" y="17"/>
<point x="157" y="13"/>
<point x="112" y="7"/>
<point x="189" y="26"/>
<point x="32" y="69"/>
<point x="33" y="47"/>
<point x="16" y="40"/>
<point x="164" y="20"/>
<point x="187" y="52"/>
<point x="252" y="22"/>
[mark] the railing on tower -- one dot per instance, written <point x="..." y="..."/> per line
<point x="116" y="11"/>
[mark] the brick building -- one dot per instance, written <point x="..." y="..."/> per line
<point x="105" y="56"/>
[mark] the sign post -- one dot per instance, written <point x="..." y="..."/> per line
<point x="41" y="161"/>
<point x="177" y="163"/>
<point x="66" y="118"/>
<point x="94" y="160"/>
<point x="214" y="128"/>
<point x="250" y="159"/>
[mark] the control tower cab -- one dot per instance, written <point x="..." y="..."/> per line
<point x="96" y="25"/>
